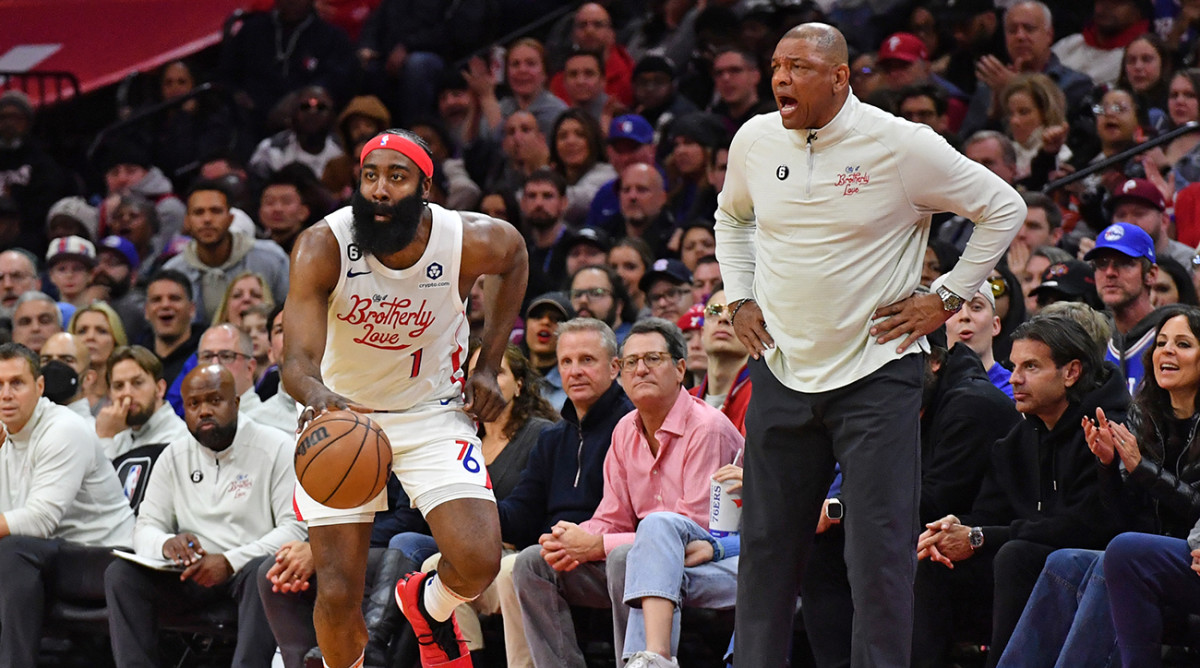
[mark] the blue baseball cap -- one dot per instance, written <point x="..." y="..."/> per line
<point x="1125" y="238"/>
<point x="632" y="127"/>
<point x="122" y="246"/>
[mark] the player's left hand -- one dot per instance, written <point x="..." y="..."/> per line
<point x="485" y="402"/>
<point x="915" y="316"/>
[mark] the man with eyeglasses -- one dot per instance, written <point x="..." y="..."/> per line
<point x="18" y="275"/>
<point x="736" y="77"/>
<point x="660" y="461"/>
<point x="592" y="31"/>
<point x="232" y="348"/>
<point x="667" y="286"/>
<point x="726" y="384"/>
<point x="596" y="293"/>
<point x="1124" y="262"/>
<point x="309" y="141"/>
<point x="138" y="414"/>
<point x="69" y="349"/>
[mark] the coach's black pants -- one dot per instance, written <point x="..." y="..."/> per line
<point x="793" y="439"/>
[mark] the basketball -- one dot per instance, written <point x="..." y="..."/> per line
<point x="343" y="459"/>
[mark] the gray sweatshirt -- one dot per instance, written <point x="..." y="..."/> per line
<point x="237" y="502"/>
<point x="164" y="426"/>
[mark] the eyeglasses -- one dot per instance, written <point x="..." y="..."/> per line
<point x="15" y="276"/>
<point x="590" y="293"/>
<point x="673" y="293"/>
<point x="221" y="357"/>
<point x="716" y="310"/>
<point x="652" y="360"/>
<point x="314" y="104"/>
<point x="998" y="286"/>
<point x="1119" y="262"/>
<point x="1115" y="108"/>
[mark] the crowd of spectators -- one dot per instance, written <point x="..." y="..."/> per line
<point x="140" y="322"/>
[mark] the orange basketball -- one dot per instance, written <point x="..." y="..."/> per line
<point x="343" y="459"/>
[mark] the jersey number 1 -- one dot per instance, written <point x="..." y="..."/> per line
<point x="416" y="357"/>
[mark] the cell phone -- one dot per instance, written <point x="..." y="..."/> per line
<point x="834" y="509"/>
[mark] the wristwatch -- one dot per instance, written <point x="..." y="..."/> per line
<point x="975" y="537"/>
<point x="950" y="301"/>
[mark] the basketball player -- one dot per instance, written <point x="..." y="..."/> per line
<point x="375" y="322"/>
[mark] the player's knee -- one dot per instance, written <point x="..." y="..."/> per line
<point x="477" y="567"/>
<point x="338" y="595"/>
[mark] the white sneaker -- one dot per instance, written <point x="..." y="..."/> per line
<point x="650" y="660"/>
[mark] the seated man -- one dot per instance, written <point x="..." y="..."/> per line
<point x="661" y="459"/>
<point x="726" y="384"/>
<point x="35" y="319"/>
<point x="138" y="414"/>
<point x="218" y="504"/>
<point x="232" y="348"/>
<point x="1041" y="491"/>
<point x="280" y="410"/>
<point x="56" y="489"/>
<point x="70" y="350"/>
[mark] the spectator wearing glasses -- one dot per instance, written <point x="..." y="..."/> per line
<point x="233" y="349"/>
<point x="726" y="383"/>
<point x="736" y="77"/>
<point x="18" y="275"/>
<point x="667" y="285"/>
<point x="1123" y="260"/>
<point x="592" y="31"/>
<point x="661" y="459"/>
<point x="597" y="292"/>
<point x="309" y="141"/>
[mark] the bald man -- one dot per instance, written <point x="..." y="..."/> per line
<point x="70" y="350"/>
<point x="642" y="197"/>
<point x="218" y="504"/>
<point x="821" y="232"/>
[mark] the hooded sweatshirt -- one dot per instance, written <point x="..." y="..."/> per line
<point x="261" y="256"/>
<point x="1043" y="484"/>
<point x="157" y="188"/>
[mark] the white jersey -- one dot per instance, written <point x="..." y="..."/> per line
<point x="397" y="338"/>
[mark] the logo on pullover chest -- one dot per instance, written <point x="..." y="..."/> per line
<point x="240" y="486"/>
<point x="387" y="323"/>
<point x="851" y="180"/>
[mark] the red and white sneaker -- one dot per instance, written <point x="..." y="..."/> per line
<point x="441" y="643"/>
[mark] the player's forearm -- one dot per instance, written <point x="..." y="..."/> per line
<point x="301" y="378"/>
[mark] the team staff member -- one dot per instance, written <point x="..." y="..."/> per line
<point x="821" y="232"/>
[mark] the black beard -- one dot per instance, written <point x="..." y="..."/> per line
<point x="219" y="438"/>
<point x="539" y="222"/>
<point x="380" y="239"/>
<point x="141" y="417"/>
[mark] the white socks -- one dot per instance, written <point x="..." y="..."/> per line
<point x="356" y="664"/>
<point x="440" y="602"/>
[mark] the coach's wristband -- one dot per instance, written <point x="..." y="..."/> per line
<point x="740" y="304"/>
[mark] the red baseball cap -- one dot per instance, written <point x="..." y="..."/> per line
<point x="903" y="46"/>
<point x="1142" y="190"/>
<point x="692" y="319"/>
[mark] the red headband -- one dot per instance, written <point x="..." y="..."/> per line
<point x="406" y="147"/>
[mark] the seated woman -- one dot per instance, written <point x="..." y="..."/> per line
<point x="506" y="445"/>
<point x="1151" y="480"/>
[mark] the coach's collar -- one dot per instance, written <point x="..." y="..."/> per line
<point x="833" y="131"/>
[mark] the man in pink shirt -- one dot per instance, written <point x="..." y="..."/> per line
<point x="662" y="457"/>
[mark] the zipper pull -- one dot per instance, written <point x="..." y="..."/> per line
<point x="812" y="136"/>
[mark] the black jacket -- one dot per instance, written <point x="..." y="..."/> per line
<point x="964" y="418"/>
<point x="1160" y="495"/>
<point x="1043" y="485"/>
<point x="564" y="479"/>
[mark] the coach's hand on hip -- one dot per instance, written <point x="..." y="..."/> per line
<point x="750" y="328"/>
<point x="484" y="400"/>
<point x="915" y="316"/>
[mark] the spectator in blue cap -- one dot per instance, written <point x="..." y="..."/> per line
<point x="114" y="280"/>
<point x="1124" y="262"/>
<point x="630" y="142"/>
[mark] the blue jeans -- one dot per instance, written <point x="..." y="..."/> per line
<point x="1146" y="572"/>
<point x="1067" y="620"/>
<point x="416" y="547"/>
<point x="654" y="567"/>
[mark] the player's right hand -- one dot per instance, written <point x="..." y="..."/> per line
<point x="751" y="329"/>
<point x="323" y="401"/>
